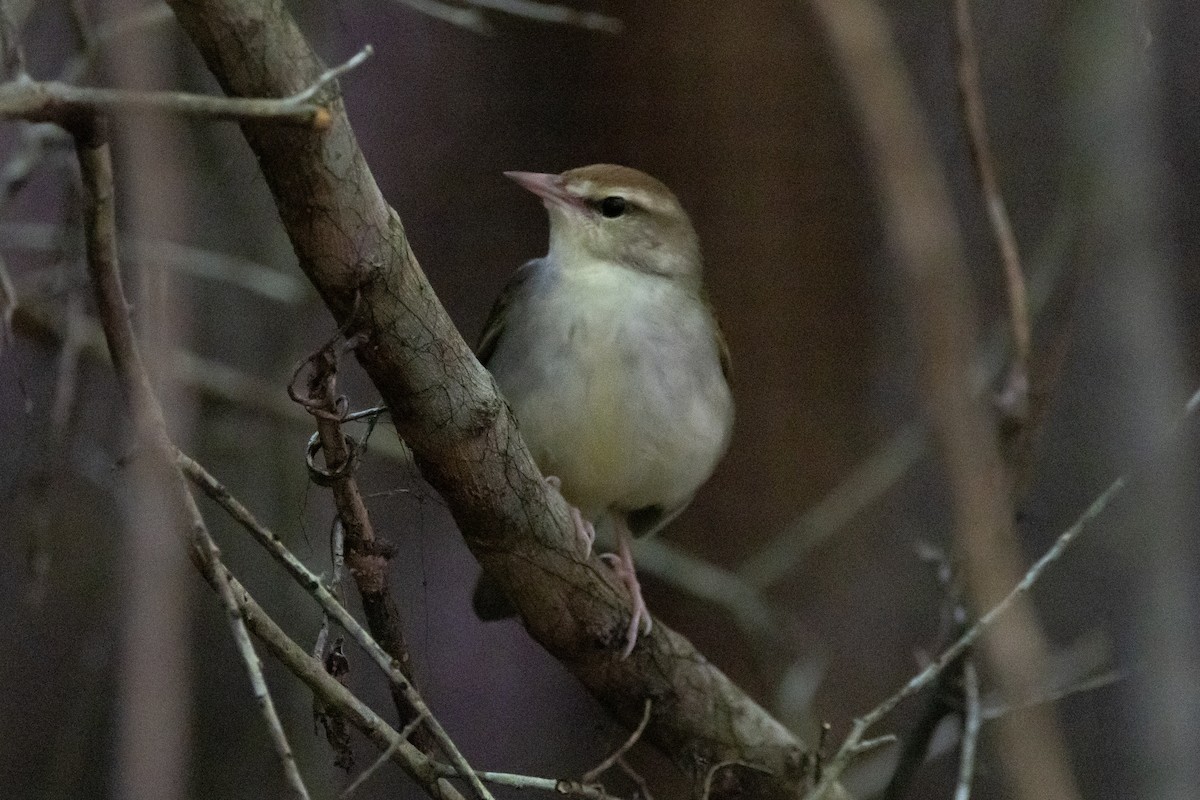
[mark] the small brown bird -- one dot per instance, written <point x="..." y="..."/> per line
<point x="611" y="359"/>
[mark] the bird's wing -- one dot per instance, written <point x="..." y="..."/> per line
<point x="493" y="329"/>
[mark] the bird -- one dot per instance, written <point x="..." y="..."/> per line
<point x="611" y="359"/>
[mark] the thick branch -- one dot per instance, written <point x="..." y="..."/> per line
<point x="352" y="246"/>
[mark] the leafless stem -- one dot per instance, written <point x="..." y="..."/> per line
<point x="250" y="658"/>
<point x="100" y="224"/>
<point x="468" y="18"/>
<point x="1015" y="395"/>
<point x="312" y="583"/>
<point x="857" y="491"/>
<point x="552" y="13"/>
<point x="923" y="678"/>
<point x="920" y="222"/>
<point x="194" y="262"/>
<point x="972" y="719"/>
<point x="565" y="788"/>
<point x="333" y="693"/>
<point x="1107" y="678"/>
<point x="594" y="773"/>
<point x="384" y="758"/>
<point x="367" y="555"/>
<point x="52" y="101"/>
<point x="211" y="379"/>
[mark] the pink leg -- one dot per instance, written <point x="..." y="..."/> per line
<point x="622" y="562"/>
<point x="583" y="529"/>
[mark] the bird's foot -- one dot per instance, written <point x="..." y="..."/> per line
<point x="640" y="621"/>
<point x="583" y="529"/>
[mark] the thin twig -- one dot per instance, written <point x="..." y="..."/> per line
<point x="333" y="693"/>
<point x="241" y="637"/>
<point x="552" y="13"/>
<point x="100" y="224"/>
<point x="873" y="476"/>
<point x="710" y="776"/>
<point x="594" y="774"/>
<point x="933" y="670"/>
<point x="312" y="583"/>
<point x="927" y="675"/>
<point x="210" y="379"/>
<point x="1107" y="678"/>
<point x="921" y="226"/>
<point x="1014" y="397"/>
<point x="384" y="757"/>
<point x="53" y="101"/>
<point x="468" y="18"/>
<point x="711" y="583"/>
<point x="972" y="718"/>
<point x="367" y="555"/>
<point x="566" y="788"/>
<point x="196" y="262"/>
<point x="643" y="788"/>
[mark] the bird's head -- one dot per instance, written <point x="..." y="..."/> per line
<point x="617" y="214"/>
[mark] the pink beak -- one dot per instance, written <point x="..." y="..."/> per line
<point x="548" y="187"/>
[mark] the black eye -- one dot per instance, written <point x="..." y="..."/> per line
<point x="612" y="207"/>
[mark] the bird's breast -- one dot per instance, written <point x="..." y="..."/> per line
<point x="616" y="381"/>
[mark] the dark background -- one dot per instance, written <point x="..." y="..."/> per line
<point x="739" y="109"/>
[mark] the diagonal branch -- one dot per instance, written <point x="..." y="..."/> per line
<point x="352" y="246"/>
<point x="100" y="222"/>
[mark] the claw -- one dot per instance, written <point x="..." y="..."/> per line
<point x="622" y="563"/>
<point x="583" y="529"/>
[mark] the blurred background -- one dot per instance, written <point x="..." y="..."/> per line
<point x="807" y="568"/>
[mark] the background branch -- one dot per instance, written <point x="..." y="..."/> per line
<point x="920" y="224"/>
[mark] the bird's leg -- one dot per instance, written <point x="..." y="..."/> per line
<point x="583" y="529"/>
<point x="622" y="562"/>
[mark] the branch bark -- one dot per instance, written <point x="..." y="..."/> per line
<point x="353" y="248"/>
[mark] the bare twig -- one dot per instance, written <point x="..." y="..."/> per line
<point x="196" y="262"/>
<point x="471" y="18"/>
<point x="1107" y="678"/>
<point x="712" y="583"/>
<point x="318" y="591"/>
<point x="367" y="555"/>
<point x="921" y="226"/>
<point x="553" y="13"/>
<point x="384" y="758"/>
<point x="468" y="18"/>
<point x="594" y="773"/>
<point x="643" y="788"/>
<point x="211" y="379"/>
<point x="53" y="101"/>
<point x="972" y="718"/>
<point x="333" y="693"/>
<point x="857" y="491"/>
<point x="250" y="658"/>
<point x="1014" y="397"/>
<point x="931" y="672"/>
<point x="100" y="225"/>
<point x="566" y="788"/>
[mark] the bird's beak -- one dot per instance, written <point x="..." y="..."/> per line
<point x="548" y="187"/>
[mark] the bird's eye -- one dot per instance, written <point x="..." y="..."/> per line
<point x="613" y="207"/>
